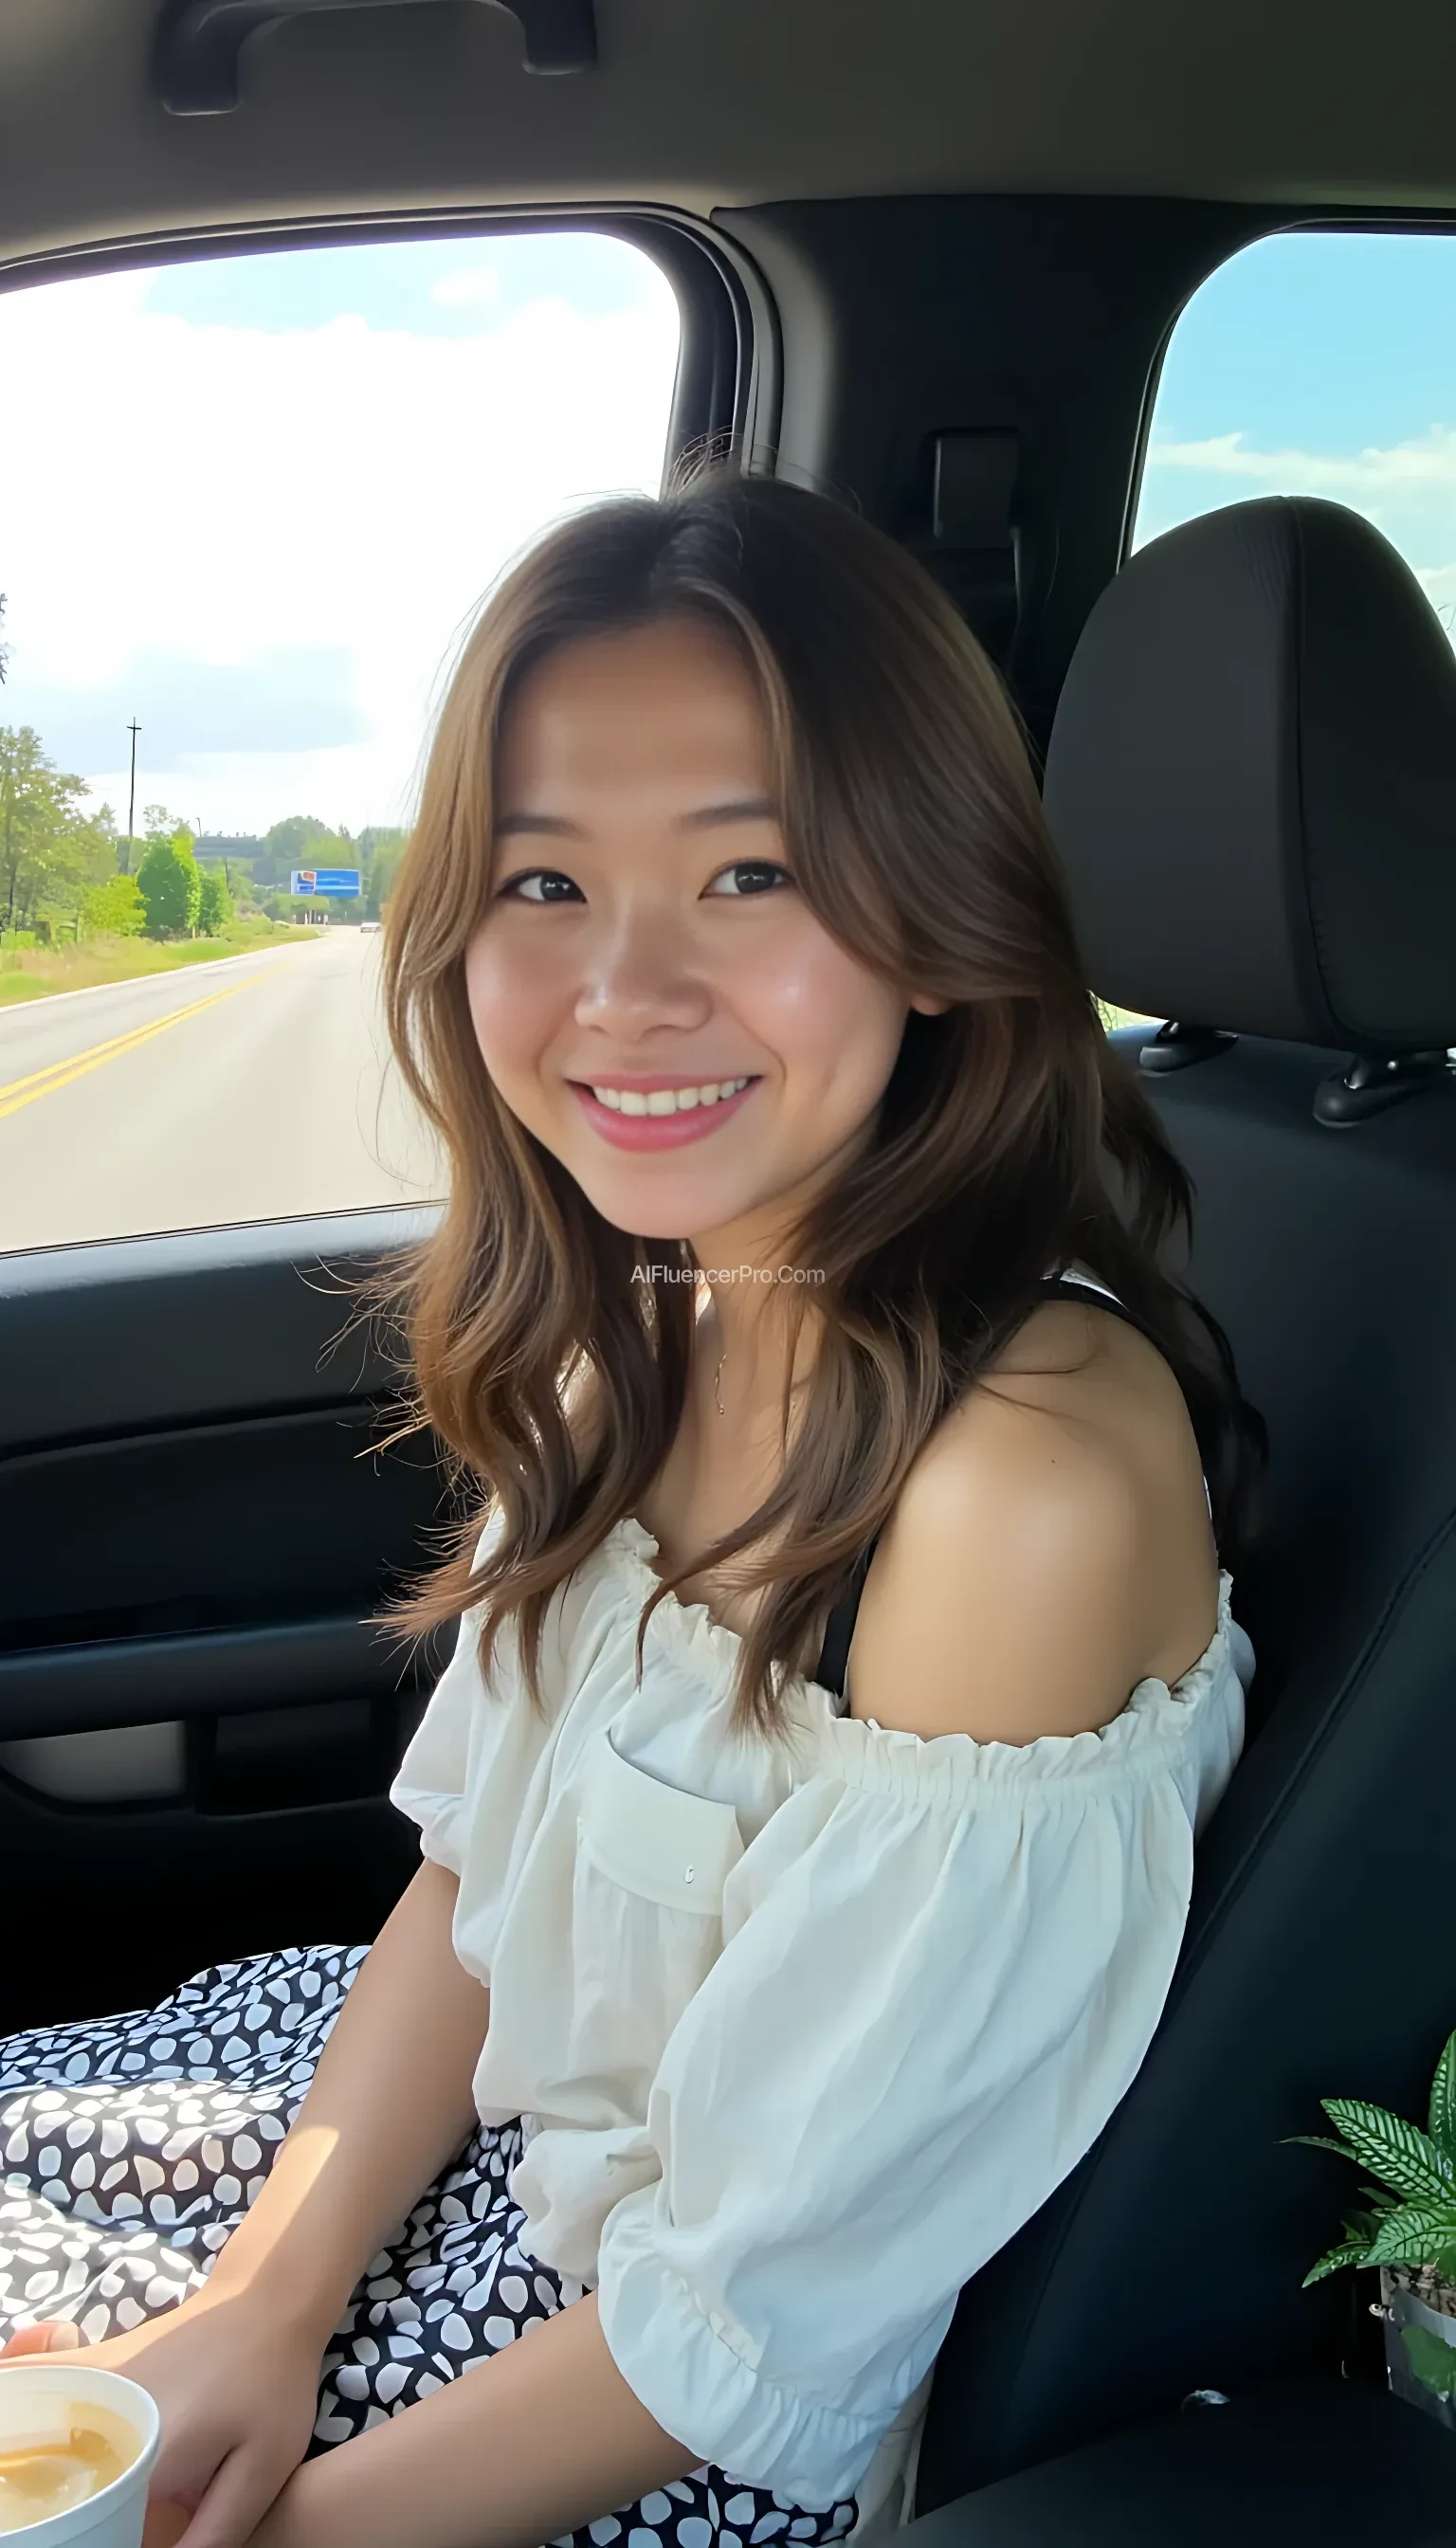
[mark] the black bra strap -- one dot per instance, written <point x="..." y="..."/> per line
<point x="835" y="1653"/>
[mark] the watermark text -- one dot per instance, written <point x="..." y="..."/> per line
<point x="728" y="1273"/>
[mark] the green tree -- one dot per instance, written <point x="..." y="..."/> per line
<point x="237" y="875"/>
<point x="82" y="856"/>
<point x="380" y="853"/>
<point x="158" y="824"/>
<point x="49" y="851"/>
<point x="116" y="909"/>
<point x="171" y="884"/>
<point x="214" y="903"/>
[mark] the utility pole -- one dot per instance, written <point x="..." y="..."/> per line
<point x="134" y="729"/>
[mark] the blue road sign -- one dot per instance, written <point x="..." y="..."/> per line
<point x="341" y="881"/>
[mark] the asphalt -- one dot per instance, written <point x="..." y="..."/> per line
<point x="254" y="1089"/>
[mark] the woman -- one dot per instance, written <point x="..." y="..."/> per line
<point x="731" y="2021"/>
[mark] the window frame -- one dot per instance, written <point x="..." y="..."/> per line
<point x="1325" y="225"/>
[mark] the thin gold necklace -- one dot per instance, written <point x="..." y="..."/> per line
<point x="717" y="1376"/>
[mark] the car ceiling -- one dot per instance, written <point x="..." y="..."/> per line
<point x="707" y="102"/>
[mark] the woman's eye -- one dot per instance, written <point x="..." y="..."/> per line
<point x="752" y="876"/>
<point x="555" y="887"/>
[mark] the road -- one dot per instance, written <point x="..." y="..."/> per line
<point x="246" y="1090"/>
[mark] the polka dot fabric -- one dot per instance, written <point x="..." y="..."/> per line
<point x="132" y="2148"/>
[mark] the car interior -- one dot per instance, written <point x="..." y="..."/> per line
<point x="930" y="259"/>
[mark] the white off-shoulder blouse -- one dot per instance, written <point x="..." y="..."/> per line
<point x="800" y="2033"/>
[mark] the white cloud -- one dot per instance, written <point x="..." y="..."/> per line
<point x="338" y="496"/>
<point x="1407" y="490"/>
<point x="1428" y="461"/>
<point x="295" y="698"/>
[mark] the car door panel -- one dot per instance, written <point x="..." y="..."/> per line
<point x="200" y="1526"/>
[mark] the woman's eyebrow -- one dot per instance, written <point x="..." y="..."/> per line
<point x="549" y="825"/>
<point x="742" y="809"/>
<point x="518" y="822"/>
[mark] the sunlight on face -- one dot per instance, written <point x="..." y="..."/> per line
<point x="644" y="930"/>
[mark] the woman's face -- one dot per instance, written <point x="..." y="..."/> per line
<point x="644" y="936"/>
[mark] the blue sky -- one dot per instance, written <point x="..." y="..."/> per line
<point x="1322" y="364"/>
<point x="1348" y="338"/>
<point x="436" y="287"/>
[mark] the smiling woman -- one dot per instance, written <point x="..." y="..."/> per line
<point x="643" y="760"/>
<point x="287" y="660"/>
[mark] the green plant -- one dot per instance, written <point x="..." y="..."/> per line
<point x="171" y="884"/>
<point x="116" y="909"/>
<point x="214" y="903"/>
<point x="1412" y="2221"/>
<point x="1433" y="2360"/>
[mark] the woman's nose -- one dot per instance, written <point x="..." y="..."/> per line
<point x="642" y="972"/>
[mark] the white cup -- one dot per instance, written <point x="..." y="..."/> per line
<point x="114" y="2519"/>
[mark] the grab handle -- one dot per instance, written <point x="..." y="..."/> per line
<point x="198" y="43"/>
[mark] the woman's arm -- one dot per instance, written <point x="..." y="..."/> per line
<point x="389" y="2107"/>
<point x="527" y="2447"/>
<point x="235" y="2370"/>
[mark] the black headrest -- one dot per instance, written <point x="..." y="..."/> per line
<point x="1251" y="783"/>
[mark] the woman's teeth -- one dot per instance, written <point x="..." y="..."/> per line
<point x="667" y="1101"/>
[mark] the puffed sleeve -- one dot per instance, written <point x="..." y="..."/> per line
<point x="435" y="1778"/>
<point x="943" y="1964"/>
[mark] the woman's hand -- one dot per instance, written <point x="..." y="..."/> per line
<point x="236" y="2386"/>
<point x="235" y="2370"/>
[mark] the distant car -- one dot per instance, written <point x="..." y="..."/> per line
<point x="369" y="924"/>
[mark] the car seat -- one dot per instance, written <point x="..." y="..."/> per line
<point x="1251" y="783"/>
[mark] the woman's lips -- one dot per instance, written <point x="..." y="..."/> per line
<point x="657" y="1132"/>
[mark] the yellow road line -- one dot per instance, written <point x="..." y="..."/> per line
<point x="59" y="1074"/>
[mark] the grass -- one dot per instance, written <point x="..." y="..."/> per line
<point x="1112" y="1017"/>
<point x="35" y="972"/>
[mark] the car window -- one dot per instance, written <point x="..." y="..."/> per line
<point x="1318" y="363"/>
<point x="263" y="494"/>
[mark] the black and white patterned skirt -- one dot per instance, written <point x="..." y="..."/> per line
<point x="132" y="2146"/>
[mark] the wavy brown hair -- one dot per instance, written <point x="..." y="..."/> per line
<point x="917" y="839"/>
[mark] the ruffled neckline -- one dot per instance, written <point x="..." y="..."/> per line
<point x="871" y="1754"/>
<point x="689" y="1627"/>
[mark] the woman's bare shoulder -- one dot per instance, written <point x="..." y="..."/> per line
<point x="1050" y="1547"/>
